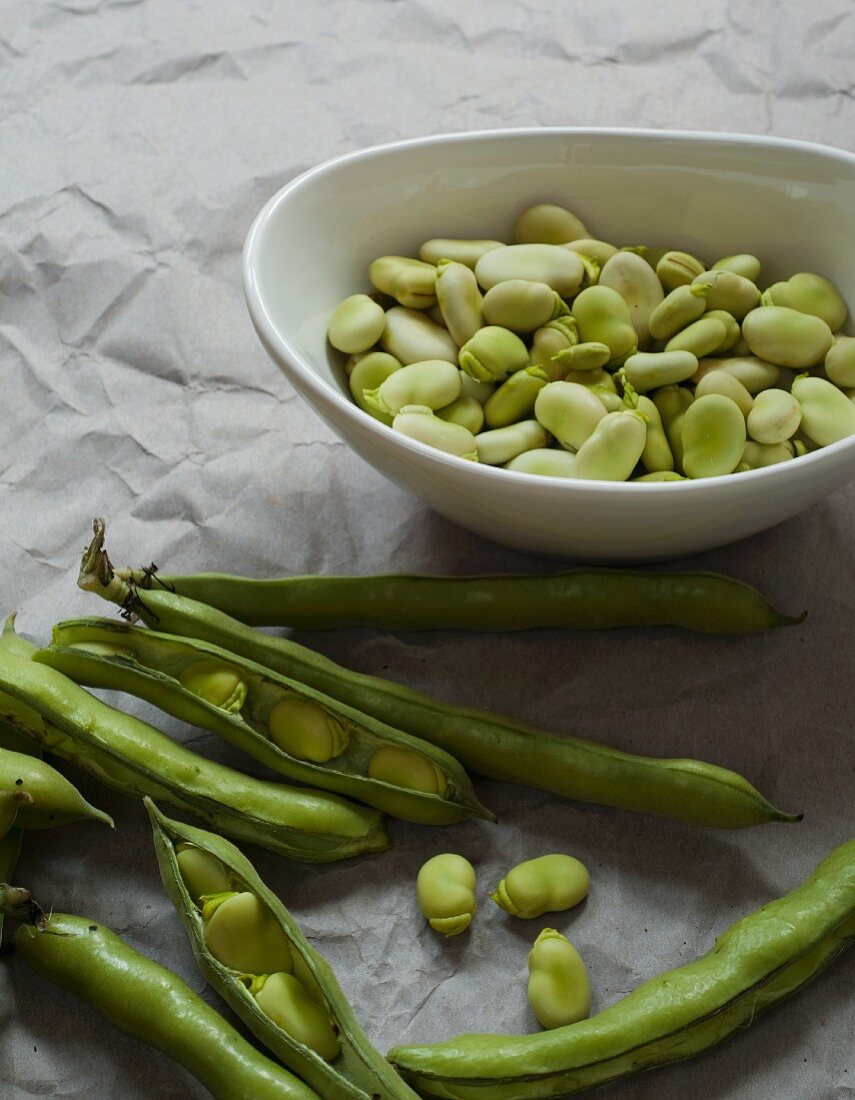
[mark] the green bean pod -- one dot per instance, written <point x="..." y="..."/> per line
<point x="761" y="959"/>
<point x="292" y="729"/>
<point x="52" y="799"/>
<point x="688" y="790"/>
<point x="10" y="850"/>
<point x="153" y="1005"/>
<point x="356" y="1071"/>
<point x="132" y="756"/>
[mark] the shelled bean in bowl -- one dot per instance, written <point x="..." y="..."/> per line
<point x="650" y="318"/>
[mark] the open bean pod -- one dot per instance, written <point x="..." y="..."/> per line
<point x="291" y="728"/>
<point x="352" y="1068"/>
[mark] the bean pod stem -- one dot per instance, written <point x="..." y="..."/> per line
<point x="688" y="790"/>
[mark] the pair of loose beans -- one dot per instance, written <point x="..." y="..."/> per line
<point x="558" y="987"/>
<point x="566" y="356"/>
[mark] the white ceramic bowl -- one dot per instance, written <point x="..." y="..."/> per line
<point x="790" y="203"/>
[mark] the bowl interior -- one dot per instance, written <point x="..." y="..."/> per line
<point x="791" y="204"/>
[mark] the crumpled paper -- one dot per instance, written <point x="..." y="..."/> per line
<point x="139" y="140"/>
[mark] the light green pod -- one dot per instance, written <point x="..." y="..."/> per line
<point x="521" y="305"/>
<point x="775" y="416"/>
<point x="284" y="1000"/>
<point x="840" y="361"/>
<point x="656" y="456"/>
<point x="459" y="300"/>
<point x="648" y="370"/>
<point x="433" y="383"/>
<point x="584" y="357"/>
<point x="421" y="423"/>
<point x="492" y="353"/>
<point x="53" y="800"/>
<point x="683" y="305"/>
<point x="613" y="449"/>
<point x="713" y="436"/>
<point x="758" y="455"/>
<point x="548" y="884"/>
<point x="368" y="374"/>
<point x="514" y="400"/>
<point x="410" y="282"/>
<point x="723" y="382"/>
<point x="243" y="934"/>
<point x="787" y="337"/>
<point x="728" y="291"/>
<point x="636" y="282"/>
<point x="306" y="730"/>
<point x="742" y="263"/>
<point x="546" y="223"/>
<point x="544" y="461"/>
<point x="603" y="317"/>
<point x="672" y="403"/>
<point x="754" y="374"/>
<point x="558" y="267"/>
<point x="500" y="445"/>
<point x="701" y="338"/>
<point x="445" y="888"/>
<point x="203" y="874"/>
<point x="809" y="293"/>
<point x="660" y="475"/>
<point x="466" y="411"/>
<point x="356" y="324"/>
<point x="412" y="337"/>
<point x="471" y="387"/>
<point x="217" y="682"/>
<point x="827" y="413"/>
<point x="592" y="249"/>
<point x="457" y="250"/>
<point x="677" y="269"/>
<point x="733" y="333"/>
<point x="409" y="769"/>
<point x="559" y="991"/>
<point x="569" y="411"/>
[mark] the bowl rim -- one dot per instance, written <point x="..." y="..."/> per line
<point x="281" y="349"/>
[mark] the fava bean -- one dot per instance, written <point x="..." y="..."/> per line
<point x="546" y="223"/>
<point x="677" y="269"/>
<point x="548" y="884"/>
<point x="356" y="324"/>
<point x="202" y="872"/>
<point x="466" y="411"/>
<point x="811" y="294"/>
<point x="492" y="353"/>
<point x="581" y="357"/>
<point x="743" y="263"/>
<point x="661" y="475"/>
<point x="551" y="339"/>
<point x="446" y="893"/>
<point x="368" y="375"/>
<point x="840" y="361"/>
<point x="558" y="267"/>
<point x="558" y="988"/>
<point x="459" y="299"/>
<point x="685" y="304"/>
<point x="754" y="374"/>
<point x="713" y="436"/>
<point x="604" y="317"/>
<point x="514" y="399"/>
<point x="421" y="423"/>
<point x="775" y="416"/>
<point x="728" y="291"/>
<point x="656" y="456"/>
<point x="433" y="383"/>
<point x="636" y="282"/>
<point x="242" y="934"/>
<point x="285" y="1001"/>
<point x="413" y="337"/>
<point x="568" y="411"/>
<point x="733" y="333"/>
<point x="613" y="449"/>
<point x="701" y="338"/>
<point x="756" y="456"/>
<point x="471" y="387"/>
<point x="521" y="305"/>
<point x="306" y="730"/>
<point x="598" y="251"/>
<point x="457" y="250"/>
<point x="727" y="384"/>
<point x="403" y="767"/>
<point x="217" y="682"/>
<point x="500" y="445"/>
<point x="787" y="337"/>
<point x="648" y="370"/>
<point x="410" y="282"/>
<point x="672" y="403"/>
<point x="827" y="413"/>
<point x="544" y="461"/>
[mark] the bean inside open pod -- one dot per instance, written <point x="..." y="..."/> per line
<point x="297" y="1010"/>
<point x="291" y="728"/>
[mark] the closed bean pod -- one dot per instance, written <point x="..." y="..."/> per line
<point x="636" y="282"/>
<point x="604" y="317"/>
<point x="787" y="337"/>
<point x="459" y="300"/>
<point x="685" y="304"/>
<point x="568" y="411"/>
<point x="412" y="337"/>
<point x="558" y="267"/>
<point x="827" y="413"/>
<point x="500" y="445"/>
<point x="812" y="294"/>
<point x="546" y="223"/>
<point x="761" y="959"/>
<point x="492" y="353"/>
<point x="52" y="799"/>
<point x="677" y="269"/>
<point x="456" y="249"/>
<point x="298" y="1012"/>
<point x="713" y="436"/>
<point x="774" y="417"/>
<point x="548" y="884"/>
<point x="356" y="324"/>
<point x="522" y="305"/>
<point x="421" y="423"/>
<point x="294" y="730"/>
<point x="445" y="888"/>
<point x="410" y="282"/>
<point x="558" y="988"/>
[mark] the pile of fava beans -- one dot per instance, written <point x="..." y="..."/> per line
<point x="567" y="356"/>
